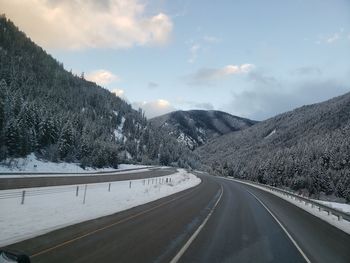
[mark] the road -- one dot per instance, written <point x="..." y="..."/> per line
<point x="26" y="182"/>
<point x="240" y="229"/>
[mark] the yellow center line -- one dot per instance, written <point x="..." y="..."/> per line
<point x="110" y="225"/>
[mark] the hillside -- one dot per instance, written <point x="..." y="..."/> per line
<point x="307" y="149"/>
<point x="62" y="117"/>
<point x="195" y="127"/>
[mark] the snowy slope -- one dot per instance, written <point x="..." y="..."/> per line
<point x="31" y="164"/>
<point x="195" y="127"/>
<point x="57" y="207"/>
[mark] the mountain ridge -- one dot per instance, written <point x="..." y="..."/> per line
<point x="195" y="127"/>
<point x="62" y="117"/>
<point x="306" y="149"/>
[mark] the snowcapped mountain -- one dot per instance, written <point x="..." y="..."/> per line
<point x="195" y="127"/>
<point x="62" y="117"/>
<point x="307" y="149"/>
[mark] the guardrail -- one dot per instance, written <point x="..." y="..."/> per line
<point x="314" y="204"/>
<point x="82" y="173"/>
<point x="75" y="189"/>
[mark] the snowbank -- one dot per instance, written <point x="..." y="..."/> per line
<point x="49" y="208"/>
<point x="31" y="164"/>
<point x="339" y="206"/>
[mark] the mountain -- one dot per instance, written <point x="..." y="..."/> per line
<point x="62" y="117"/>
<point x="307" y="149"/>
<point x="195" y="127"/>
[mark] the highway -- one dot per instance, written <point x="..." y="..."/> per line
<point x="240" y="229"/>
<point x="66" y="179"/>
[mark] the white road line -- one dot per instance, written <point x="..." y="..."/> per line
<point x="195" y="234"/>
<point x="284" y="229"/>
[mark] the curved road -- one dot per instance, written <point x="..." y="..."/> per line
<point x="240" y="229"/>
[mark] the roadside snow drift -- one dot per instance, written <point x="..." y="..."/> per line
<point x="49" y="208"/>
<point x="31" y="164"/>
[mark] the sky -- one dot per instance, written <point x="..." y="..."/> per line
<point x="251" y="58"/>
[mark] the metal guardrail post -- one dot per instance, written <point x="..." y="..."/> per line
<point x="77" y="191"/>
<point x="109" y="187"/>
<point x="23" y="196"/>
<point x="85" y="194"/>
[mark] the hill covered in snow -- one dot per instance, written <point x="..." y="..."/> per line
<point x="61" y="117"/>
<point x="194" y="128"/>
<point x="307" y="149"/>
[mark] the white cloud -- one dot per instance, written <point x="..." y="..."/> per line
<point x="190" y="104"/>
<point x="76" y="24"/>
<point x="193" y="53"/>
<point x="333" y="38"/>
<point x="211" y="39"/>
<point x="118" y="92"/>
<point x="207" y="75"/>
<point x="200" y="45"/>
<point x="154" y="108"/>
<point x="102" y="77"/>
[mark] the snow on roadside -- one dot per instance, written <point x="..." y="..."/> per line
<point x="339" y="206"/>
<point x="60" y="207"/>
<point x="31" y="164"/>
<point x="343" y="224"/>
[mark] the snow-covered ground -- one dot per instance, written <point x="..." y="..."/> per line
<point x="49" y="208"/>
<point x="331" y="219"/>
<point x="339" y="206"/>
<point x="31" y="164"/>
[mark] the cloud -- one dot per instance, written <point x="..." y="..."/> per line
<point x="207" y="75"/>
<point x="102" y="77"/>
<point x="190" y="104"/>
<point x="307" y="70"/>
<point x="193" y="53"/>
<point x="152" y="85"/>
<point x="118" y="92"/>
<point x="154" y="108"/>
<point x="211" y="39"/>
<point x="333" y="38"/>
<point x="268" y="96"/>
<point x="204" y="106"/>
<point x="77" y="24"/>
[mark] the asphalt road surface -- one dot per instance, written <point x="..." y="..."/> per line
<point x="240" y="229"/>
<point x="26" y="182"/>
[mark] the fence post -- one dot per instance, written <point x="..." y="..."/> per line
<point x="85" y="194"/>
<point x="109" y="187"/>
<point x="77" y="191"/>
<point x="23" y="195"/>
